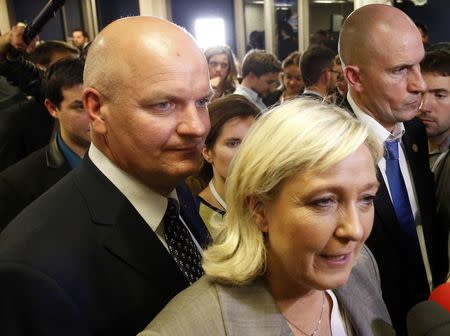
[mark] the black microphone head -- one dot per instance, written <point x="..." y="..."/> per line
<point x="41" y="19"/>
<point x="427" y="318"/>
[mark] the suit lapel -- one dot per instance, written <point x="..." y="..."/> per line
<point x="191" y="217"/>
<point x="251" y="310"/>
<point x="123" y="231"/>
<point x="384" y="210"/>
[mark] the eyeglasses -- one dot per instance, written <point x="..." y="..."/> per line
<point x="214" y="64"/>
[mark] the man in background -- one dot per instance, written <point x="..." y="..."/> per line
<point x="381" y="49"/>
<point x="260" y="72"/>
<point x="26" y="180"/>
<point x="80" y="38"/>
<point x="319" y="72"/>
<point x="435" y="114"/>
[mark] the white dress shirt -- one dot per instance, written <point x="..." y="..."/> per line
<point x="149" y="204"/>
<point x="251" y="95"/>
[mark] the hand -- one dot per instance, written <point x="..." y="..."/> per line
<point x="215" y="82"/>
<point x="16" y="39"/>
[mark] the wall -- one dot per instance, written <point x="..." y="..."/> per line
<point x="5" y="25"/>
<point x="320" y="15"/>
<point x="185" y="12"/>
<point x="26" y="11"/>
<point x="254" y="19"/>
<point x="110" y="10"/>
<point x="435" y="15"/>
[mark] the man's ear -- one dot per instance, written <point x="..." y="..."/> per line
<point x="258" y="211"/>
<point x="51" y="108"/>
<point x="325" y="77"/>
<point x="352" y="74"/>
<point x="94" y="105"/>
<point x="207" y="155"/>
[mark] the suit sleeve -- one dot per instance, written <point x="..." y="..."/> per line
<point x="31" y="303"/>
<point x="7" y="208"/>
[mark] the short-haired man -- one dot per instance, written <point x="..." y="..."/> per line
<point x="80" y="38"/>
<point x="318" y="71"/>
<point x="105" y="249"/>
<point x="259" y="75"/>
<point x="381" y="49"/>
<point x="435" y="114"/>
<point x="23" y="182"/>
<point x="25" y="124"/>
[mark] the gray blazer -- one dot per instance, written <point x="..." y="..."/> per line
<point x="208" y="308"/>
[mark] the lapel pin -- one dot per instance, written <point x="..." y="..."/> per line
<point x="415" y="148"/>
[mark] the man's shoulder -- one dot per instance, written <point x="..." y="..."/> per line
<point x="27" y="167"/>
<point x="416" y="130"/>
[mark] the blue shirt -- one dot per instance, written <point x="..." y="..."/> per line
<point x="72" y="158"/>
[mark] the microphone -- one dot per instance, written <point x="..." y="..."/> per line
<point x="41" y="19"/>
<point x="427" y="318"/>
<point x="441" y="295"/>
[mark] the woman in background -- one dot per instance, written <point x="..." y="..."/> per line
<point x="231" y="118"/>
<point x="222" y="70"/>
<point x="291" y="258"/>
<point x="292" y="84"/>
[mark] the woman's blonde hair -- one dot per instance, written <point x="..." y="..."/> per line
<point x="302" y="135"/>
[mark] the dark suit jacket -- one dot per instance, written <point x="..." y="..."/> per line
<point x="25" y="126"/>
<point x="80" y="260"/>
<point x="23" y="182"/>
<point x="403" y="278"/>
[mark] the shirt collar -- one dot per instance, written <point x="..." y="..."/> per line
<point x="308" y="91"/>
<point x="150" y="205"/>
<point x="72" y="158"/>
<point x="380" y="132"/>
<point x="252" y="94"/>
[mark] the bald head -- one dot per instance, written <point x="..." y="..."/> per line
<point x="147" y="89"/>
<point x="122" y="46"/>
<point x="367" y="30"/>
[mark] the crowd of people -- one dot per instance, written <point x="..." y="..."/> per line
<point x="174" y="191"/>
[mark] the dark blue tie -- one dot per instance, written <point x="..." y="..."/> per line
<point x="180" y="244"/>
<point x="397" y="187"/>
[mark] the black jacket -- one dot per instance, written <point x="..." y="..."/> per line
<point x="80" y="260"/>
<point x="28" y="179"/>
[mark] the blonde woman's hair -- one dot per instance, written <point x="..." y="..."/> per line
<point x="302" y="135"/>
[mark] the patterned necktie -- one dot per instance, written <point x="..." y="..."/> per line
<point x="398" y="190"/>
<point x="181" y="245"/>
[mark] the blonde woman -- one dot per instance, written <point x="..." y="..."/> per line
<point x="291" y="258"/>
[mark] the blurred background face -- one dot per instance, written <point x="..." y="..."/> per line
<point x="335" y="70"/>
<point x="78" y="39"/>
<point x="264" y="84"/>
<point x="74" y="121"/>
<point x="317" y="223"/>
<point x="341" y="83"/>
<point x="292" y="80"/>
<point x="227" y="144"/>
<point x="435" y="109"/>
<point x="218" y="66"/>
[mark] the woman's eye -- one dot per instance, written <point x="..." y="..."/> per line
<point x="368" y="199"/>
<point x="233" y="143"/>
<point x="323" y="202"/>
